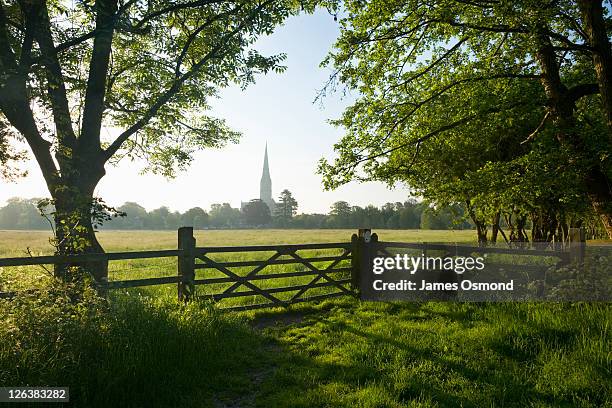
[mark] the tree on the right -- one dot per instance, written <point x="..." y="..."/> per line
<point x="503" y="107"/>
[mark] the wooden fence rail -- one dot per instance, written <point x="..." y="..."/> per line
<point x="338" y="274"/>
<point x="84" y="258"/>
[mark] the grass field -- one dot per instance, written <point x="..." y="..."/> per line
<point x="16" y="243"/>
<point x="143" y="348"/>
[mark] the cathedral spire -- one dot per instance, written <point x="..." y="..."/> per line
<point x="265" y="186"/>
<point x="266" y="170"/>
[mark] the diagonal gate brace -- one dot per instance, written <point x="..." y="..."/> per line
<point x="242" y="280"/>
<point x="321" y="274"/>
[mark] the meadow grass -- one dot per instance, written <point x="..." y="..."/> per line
<point x="16" y="243"/>
<point x="443" y="355"/>
<point x="142" y="348"/>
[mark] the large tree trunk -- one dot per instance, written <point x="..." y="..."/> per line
<point x="495" y="227"/>
<point x="481" y="225"/>
<point x="521" y="235"/>
<point x="600" y="194"/>
<point x="595" y="28"/>
<point x="75" y="233"/>
<point x="562" y="103"/>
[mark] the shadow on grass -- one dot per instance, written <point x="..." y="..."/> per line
<point x="479" y="377"/>
<point x="343" y="358"/>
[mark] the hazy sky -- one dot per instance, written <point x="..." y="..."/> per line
<point x="278" y="109"/>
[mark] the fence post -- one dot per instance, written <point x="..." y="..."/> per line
<point x="362" y="253"/>
<point x="355" y="259"/>
<point x="577" y="247"/>
<point x="186" y="271"/>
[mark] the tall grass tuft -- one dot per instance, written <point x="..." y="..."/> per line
<point x="129" y="351"/>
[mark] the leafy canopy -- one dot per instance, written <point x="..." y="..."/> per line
<point x="166" y="60"/>
<point x="422" y="68"/>
<point x="450" y="95"/>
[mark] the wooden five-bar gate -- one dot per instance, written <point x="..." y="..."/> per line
<point x="331" y="275"/>
<point x="287" y="274"/>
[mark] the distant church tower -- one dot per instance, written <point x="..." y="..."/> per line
<point x="265" y="185"/>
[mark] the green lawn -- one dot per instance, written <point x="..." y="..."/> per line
<point x="143" y="348"/>
<point x="442" y="354"/>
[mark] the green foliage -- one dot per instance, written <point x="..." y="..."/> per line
<point x="69" y="230"/>
<point x="124" y="352"/>
<point x="256" y="213"/>
<point x="451" y="103"/>
<point x="224" y="216"/>
<point x="8" y="156"/>
<point x="340" y="209"/>
<point x="168" y="59"/>
<point x="286" y="208"/>
<point x="22" y="214"/>
<point x="196" y="217"/>
<point x="431" y="220"/>
<point x="590" y="281"/>
<point x="136" y="350"/>
<point x="135" y="217"/>
<point x="19" y="213"/>
<point x="443" y="354"/>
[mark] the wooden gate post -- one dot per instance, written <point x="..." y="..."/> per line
<point x="577" y="247"/>
<point x="186" y="260"/>
<point x="355" y="260"/>
<point x="362" y="253"/>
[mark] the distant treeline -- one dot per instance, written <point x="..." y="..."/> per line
<point x="23" y="214"/>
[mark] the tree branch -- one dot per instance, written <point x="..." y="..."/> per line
<point x="15" y="107"/>
<point x="8" y="62"/>
<point x="91" y="34"/>
<point x="98" y="72"/>
<point x="176" y="86"/>
<point x="481" y="4"/>
<point x="500" y="28"/>
<point x="537" y="130"/>
<point x="437" y="61"/>
<point x="194" y="35"/>
<point x="582" y="90"/>
<point x="551" y="79"/>
<point x="37" y="20"/>
<point x="26" y="50"/>
<point x="417" y="105"/>
<point x="75" y="41"/>
<point x="175" y="7"/>
<point x="503" y="28"/>
<point x="433" y="133"/>
<point x="439" y="92"/>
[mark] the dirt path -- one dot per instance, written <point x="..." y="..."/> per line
<point x="259" y="375"/>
